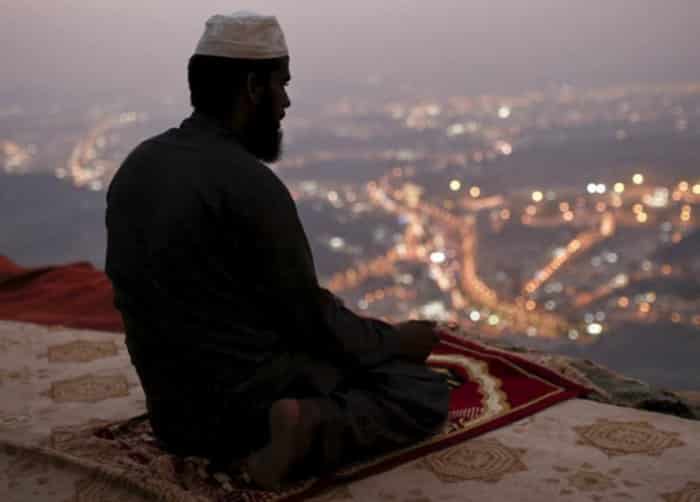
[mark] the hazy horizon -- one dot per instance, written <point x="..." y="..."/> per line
<point x="469" y="47"/>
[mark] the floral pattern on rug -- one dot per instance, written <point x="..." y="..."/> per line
<point x="627" y="438"/>
<point x="81" y="351"/>
<point x="479" y="459"/>
<point x="89" y="388"/>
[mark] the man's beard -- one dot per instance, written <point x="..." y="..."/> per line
<point x="264" y="138"/>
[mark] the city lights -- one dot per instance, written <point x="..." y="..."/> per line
<point x="686" y="213"/>
<point x="441" y="215"/>
<point x="17" y="158"/>
<point x="594" y="329"/>
<point x="504" y="112"/>
<point x="337" y="242"/>
<point x="504" y="147"/>
<point x="596" y="188"/>
<point x="456" y="130"/>
<point x="438" y="257"/>
<point x="658" y="198"/>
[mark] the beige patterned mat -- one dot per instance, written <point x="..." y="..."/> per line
<point x="53" y="379"/>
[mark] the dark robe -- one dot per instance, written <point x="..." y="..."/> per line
<point x="214" y="277"/>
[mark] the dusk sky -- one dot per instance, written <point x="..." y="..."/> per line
<point x="459" y="45"/>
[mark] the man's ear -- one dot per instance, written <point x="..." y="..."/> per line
<point x="254" y="88"/>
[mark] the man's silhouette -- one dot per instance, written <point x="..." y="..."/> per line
<point x="240" y="352"/>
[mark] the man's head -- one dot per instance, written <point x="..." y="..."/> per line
<point x="238" y="76"/>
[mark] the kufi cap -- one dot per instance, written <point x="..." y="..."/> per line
<point x="243" y="35"/>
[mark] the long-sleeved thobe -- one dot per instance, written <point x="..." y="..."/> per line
<point x="215" y="279"/>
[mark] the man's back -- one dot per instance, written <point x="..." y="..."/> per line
<point x="200" y="238"/>
<point x="188" y="216"/>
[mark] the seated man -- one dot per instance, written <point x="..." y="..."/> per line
<point x="241" y="354"/>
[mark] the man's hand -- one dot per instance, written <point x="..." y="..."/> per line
<point x="417" y="339"/>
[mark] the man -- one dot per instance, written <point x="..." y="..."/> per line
<point x="240" y="352"/>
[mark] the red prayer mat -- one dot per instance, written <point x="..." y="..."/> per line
<point x="490" y="388"/>
<point x="76" y="295"/>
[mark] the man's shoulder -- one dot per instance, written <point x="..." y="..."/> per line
<point x="149" y="147"/>
<point x="226" y="161"/>
<point x="207" y="149"/>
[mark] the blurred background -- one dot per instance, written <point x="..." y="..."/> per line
<point x="527" y="169"/>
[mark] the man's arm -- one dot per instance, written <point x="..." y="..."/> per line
<point x="311" y="318"/>
<point x="373" y="341"/>
<point x="364" y="340"/>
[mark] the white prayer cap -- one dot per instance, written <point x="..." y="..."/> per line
<point x="243" y="35"/>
